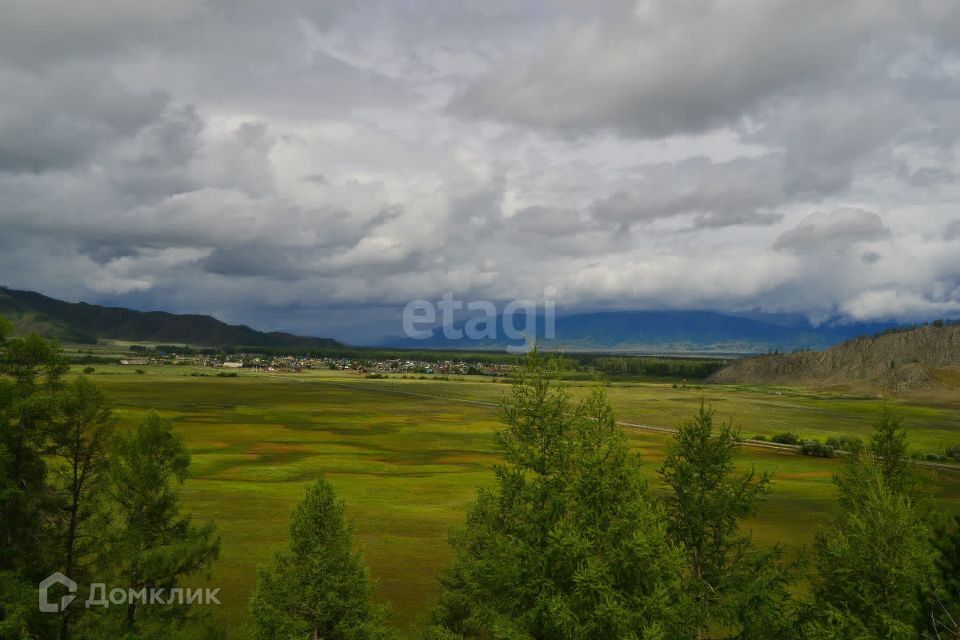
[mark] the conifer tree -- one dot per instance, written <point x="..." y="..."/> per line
<point x="568" y="542"/>
<point x="318" y="587"/>
<point x="736" y="588"/>
<point x="31" y="374"/>
<point x="874" y="562"/>
<point x="80" y="441"/>
<point x="148" y="544"/>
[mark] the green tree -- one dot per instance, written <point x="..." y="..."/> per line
<point x="31" y="372"/>
<point x="34" y="370"/>
<point x="945" y="619"/>
<point x="148" y="543"/>
<point x="567" y="543"/>
<point x="81" y="439"/>
<point x="318" y="587"/>
<point x="889" y="445"/>
<point x="737" y="590"/>
<point x="874" y="561"/>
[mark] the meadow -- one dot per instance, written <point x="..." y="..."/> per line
<point x="408" y="465"/>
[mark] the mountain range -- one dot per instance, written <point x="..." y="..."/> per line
<point x="656" y="332"/>
<point x="86" y="323"/>
<point x="706" y="332"/>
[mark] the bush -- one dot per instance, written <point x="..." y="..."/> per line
<point x="849" y="444"/>
<point x="227" y="374"/>
<point x="375" y="376"/>
<point x="816" y="449"/>
<point x="140" y="372"/>
<point x="787" y="437"/>
<point x="88" y="370"/>
<point x="953" y="452"/>
<point x="760" y="437"/>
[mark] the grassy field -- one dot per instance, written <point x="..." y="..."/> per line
<point x="408" y="466"/>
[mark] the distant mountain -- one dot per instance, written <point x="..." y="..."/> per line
<point x="896" y="359"/>
<point x="85" y="323"/>
<point x="660" y="332"/>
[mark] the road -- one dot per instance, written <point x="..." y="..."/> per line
<point x="759" y="444"/>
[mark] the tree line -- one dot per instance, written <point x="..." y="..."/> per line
<point x="569" y="542"/>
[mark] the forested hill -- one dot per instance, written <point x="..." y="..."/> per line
<point x="896" y="359"/>
<point x="85" y="323"/>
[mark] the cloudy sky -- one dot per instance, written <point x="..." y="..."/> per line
<point x="313" y="166"/>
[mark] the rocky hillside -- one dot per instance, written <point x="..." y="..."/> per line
<point x="896" y="360"/>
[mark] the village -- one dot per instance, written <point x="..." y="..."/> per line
<point x="293" y="364"/>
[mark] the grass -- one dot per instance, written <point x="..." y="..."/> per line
<point x="408" y="467"/>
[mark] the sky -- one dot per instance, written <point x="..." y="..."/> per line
<point x="314" y="166"/>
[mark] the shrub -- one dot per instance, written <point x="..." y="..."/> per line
<point x="816" y="449"/>
<point x="787" y="437"/>
<point x="375" y="376"/>
<point x="953" y="452"/>
<point x="760" y="437"/>
<point x="849" y="444"/>
<point x="88" y="370"/>
<point x="140" y="372"/>
<point x="227" y="374"/>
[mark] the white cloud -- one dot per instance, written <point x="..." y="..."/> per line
<point x="888" y="303"/>
<point x="293" y="163"/>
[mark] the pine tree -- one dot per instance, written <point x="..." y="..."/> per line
<point x="945" y="617"/>
<point x="889" y="445"/>
<point x="318" y="587"/>
<point x="568" y="542"/>
<point x="34" y="370"/>
<point x="31" y="372"/>
<point x="734" y="586"/>
<point x="874" y="562"/>
<point x="81" y="439"/>
<point x="875" y="573"/>
<point x="148" y="544"/>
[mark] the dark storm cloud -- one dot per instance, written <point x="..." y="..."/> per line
<point x="259" y="159"/>
<point x="61" y="118"/>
